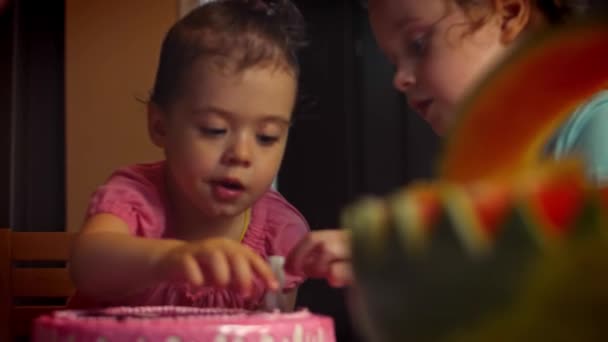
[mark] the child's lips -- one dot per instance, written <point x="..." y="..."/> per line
<point x="422" y="108"/>
<point x="227" y="189"/>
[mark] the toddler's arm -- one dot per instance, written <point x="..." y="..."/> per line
<point x="107" y="262"/>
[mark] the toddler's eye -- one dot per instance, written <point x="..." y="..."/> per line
<point x="417" y="46"/>
<point x="264" y="139"/>
<point x="212" y="131"/>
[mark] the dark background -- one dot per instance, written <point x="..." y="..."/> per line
<point x="353" y="135"/>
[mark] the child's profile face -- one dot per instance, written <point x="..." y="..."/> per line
<point x="437" y="53"/>
<point x="226" y="134"/>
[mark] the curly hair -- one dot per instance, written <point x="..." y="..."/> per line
<point x="554" y="11"/>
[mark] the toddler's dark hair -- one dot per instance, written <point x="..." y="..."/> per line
<point x="234" y="34"/>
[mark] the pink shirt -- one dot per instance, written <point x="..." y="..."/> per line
<point x="136" y="194"/>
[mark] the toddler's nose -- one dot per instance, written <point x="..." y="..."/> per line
<point x="239" y="152"/>
<point x="403" y="78"/>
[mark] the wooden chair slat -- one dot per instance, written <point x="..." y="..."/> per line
<point x="21" y="275"/>
<point x="5" y="281"/>
<point x="41" y="246"/>
<point x="41" y="282"/>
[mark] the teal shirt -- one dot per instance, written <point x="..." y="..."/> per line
<point x="585" y="134"/>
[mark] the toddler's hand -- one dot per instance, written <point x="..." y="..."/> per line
<point x="323" y="254"/>
<point x="217" y="262"/>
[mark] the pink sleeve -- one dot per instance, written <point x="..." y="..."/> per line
<point x="287" y="227"/>
<point x="132" y="199"/>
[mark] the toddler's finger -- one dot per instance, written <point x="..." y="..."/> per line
<point x="298" y="256"/>
<point x="263" y="270"/>
<point x="217" y="268"/>
<point x="340" y="274"/>
<point x="316" y="263"/>
<point x="192" y="270"/>
<point x="241" y="274"/>
<point x="341" y="248"/>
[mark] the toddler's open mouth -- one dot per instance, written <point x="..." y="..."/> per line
<point x="227" y="189"/>
<point x="231" y="184"/>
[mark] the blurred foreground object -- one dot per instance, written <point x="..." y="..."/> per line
<point x="502" y="245"/>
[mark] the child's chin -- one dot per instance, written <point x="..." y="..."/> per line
<point x="438" y="130"/>
<point x="438" y="127"/>
<point x="441" y="124"/>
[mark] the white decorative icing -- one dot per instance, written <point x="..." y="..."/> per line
<point x="298" y="333"/>
<point x="220" y="338"/>
<point x="239" y="330"/>
<point x="320" y="335"/>
<point x="266" y="338"/>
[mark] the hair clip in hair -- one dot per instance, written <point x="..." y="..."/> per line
<point x="268" y="7"/>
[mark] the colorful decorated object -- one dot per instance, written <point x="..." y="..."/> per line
<point x="503" y="126"/>
<point x="503" y="245"/>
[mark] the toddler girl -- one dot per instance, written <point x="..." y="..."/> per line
<point x="196" y="228"/>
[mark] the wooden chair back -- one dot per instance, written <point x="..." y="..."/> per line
<point x="34" y="279"/>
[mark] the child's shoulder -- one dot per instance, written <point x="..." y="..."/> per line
<point x="595" y="107"/>
<point x="137" y="183"/>
<point x="591" y="114"/>
<point x="132" y="193"/>
<point x="150" y="174"/>
<point x="585" y="133"/>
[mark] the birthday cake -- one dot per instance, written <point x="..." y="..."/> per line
<point x="175" y="324"/>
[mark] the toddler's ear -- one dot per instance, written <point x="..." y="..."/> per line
<point x="515" y="15"/>
<point x="157" y="125"/>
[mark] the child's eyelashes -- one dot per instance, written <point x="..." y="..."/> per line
<point x="267" y="140"/>
<point x="216" y="132"/>
<point x="417" y="46"/>
<point x="212" y="131"/>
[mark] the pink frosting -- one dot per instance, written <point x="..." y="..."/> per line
<point x="174" y="324"/>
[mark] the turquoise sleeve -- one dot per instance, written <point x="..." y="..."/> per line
<point x="593" y="143"/>
<point x="585" y="134"/>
